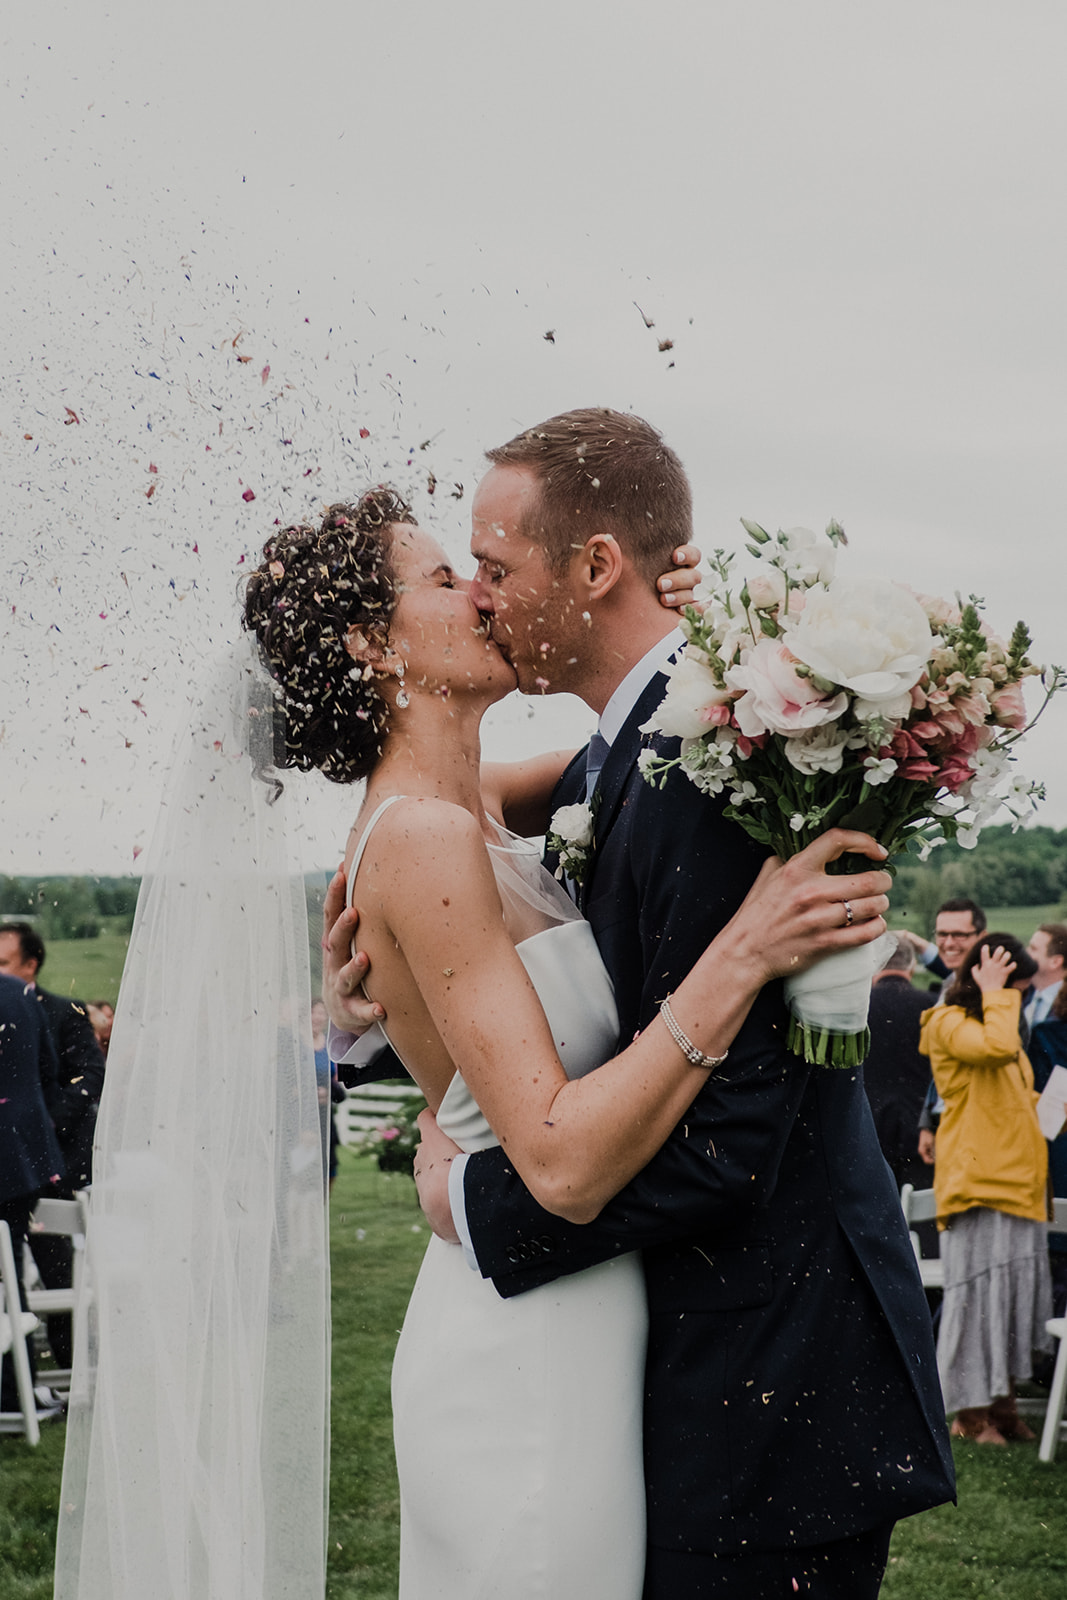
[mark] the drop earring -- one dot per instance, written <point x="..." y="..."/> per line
<point x="403" y="699"/>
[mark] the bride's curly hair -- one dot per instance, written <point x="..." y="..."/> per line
<point x="314" y="585"/>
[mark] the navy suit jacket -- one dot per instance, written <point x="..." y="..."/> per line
<point x="791" y="1386"/>
<point x="30" y="1159"/>
<point x="80" y="1083"/>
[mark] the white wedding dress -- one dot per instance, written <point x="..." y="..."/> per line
<point x="518" y="1422"/>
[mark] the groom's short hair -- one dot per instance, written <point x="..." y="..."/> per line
<point x="602" y="471"/>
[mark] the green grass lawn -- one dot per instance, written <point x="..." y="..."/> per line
<point x="87" y="969"/>
<point x="1005" y="1540"/>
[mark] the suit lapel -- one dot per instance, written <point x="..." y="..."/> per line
<point x="615" y="775"/>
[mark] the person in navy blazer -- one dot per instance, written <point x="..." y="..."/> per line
<point x="30" y="1159"/>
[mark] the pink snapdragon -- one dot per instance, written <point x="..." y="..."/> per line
<point x="955" y="773"/>
<point x="1008" y="707"/>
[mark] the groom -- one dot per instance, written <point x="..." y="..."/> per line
<point x="793" y="1411"/>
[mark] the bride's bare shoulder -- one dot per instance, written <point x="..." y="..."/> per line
<point x="424" y="834"/>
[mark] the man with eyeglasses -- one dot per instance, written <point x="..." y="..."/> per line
<point x="958" y="924"/>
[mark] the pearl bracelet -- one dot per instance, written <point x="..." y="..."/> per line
<point x="695" y="1057"/>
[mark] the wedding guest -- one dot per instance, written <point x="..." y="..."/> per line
<point x="957" y="925"/>
<point x="1048" y="946"/>
<point x="895" y="1075"/>
<point x="80" y="1080"/>
<point x="990" y="1185"/>
<point x="81" y="1061"/>
<point x="30" y="1158"/>
<point x="101" y="1016"/>
<point x="1048" y="1048"/>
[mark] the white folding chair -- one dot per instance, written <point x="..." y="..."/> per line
<point x="920" y="1205"/>
<point x="364" y="1110"/>
<point x="1057" y="1395"/>
<point x="69" y="1219"/>
<point x="15" y="1325"/>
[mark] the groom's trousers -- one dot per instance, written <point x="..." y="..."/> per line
<point x="848" y="1569"/>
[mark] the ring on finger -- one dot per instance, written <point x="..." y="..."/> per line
<point x="849" y="918"/>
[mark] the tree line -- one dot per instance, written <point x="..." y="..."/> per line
<point x="1028" y="868"/>
<point x="69" y="907"/>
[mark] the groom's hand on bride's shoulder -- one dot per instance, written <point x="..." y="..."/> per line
<point x="343" y="970"/>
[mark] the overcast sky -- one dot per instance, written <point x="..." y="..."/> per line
<point x="278" y="249"/>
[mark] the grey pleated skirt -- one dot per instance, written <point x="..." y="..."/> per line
<point x="998" y="1297"/>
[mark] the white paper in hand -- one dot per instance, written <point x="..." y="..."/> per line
<point x="1052" y="1105"/>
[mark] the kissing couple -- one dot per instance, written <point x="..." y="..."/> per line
<point x="682" y="1350"/>
<point x="701" y="1228"/>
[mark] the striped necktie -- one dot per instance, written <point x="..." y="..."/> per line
<point x="595" y="757"/>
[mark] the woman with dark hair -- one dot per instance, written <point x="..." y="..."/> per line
<point x="990" y="1182"/>
<point x="517" y="1421"/>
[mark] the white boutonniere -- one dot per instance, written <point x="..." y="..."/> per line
<point x="570" y="835"/>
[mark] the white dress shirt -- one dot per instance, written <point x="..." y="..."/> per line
<point x="1039" y="1005"/>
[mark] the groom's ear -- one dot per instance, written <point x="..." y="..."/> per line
<point x="600" y="565"/>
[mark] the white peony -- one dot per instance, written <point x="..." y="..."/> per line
<point x="891" y="712"/>
<point x="691" y="691"/>
<point x="867" y="635"/>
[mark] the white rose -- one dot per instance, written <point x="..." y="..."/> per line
<point x="868" y="635"/>
<point x="766" y="588"/>
<point x="573" y="824"/>
<point x="691" y="690"/>
<point x="820" y="750"/>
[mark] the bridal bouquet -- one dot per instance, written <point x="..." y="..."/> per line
<point x="819" y="701"/>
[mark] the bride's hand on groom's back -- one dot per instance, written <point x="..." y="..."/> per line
<point x="433" y="1158"/>
<point x="343" y="970"/>
<point x="796" y="911"/>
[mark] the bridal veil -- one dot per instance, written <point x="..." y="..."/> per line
<point x="196" y="1464"/>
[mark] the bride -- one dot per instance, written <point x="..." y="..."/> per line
<point x="517" y="1421"/>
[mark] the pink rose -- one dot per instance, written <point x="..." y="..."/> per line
<point x="717" y="716"/>
<point x="775" y="699"/>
